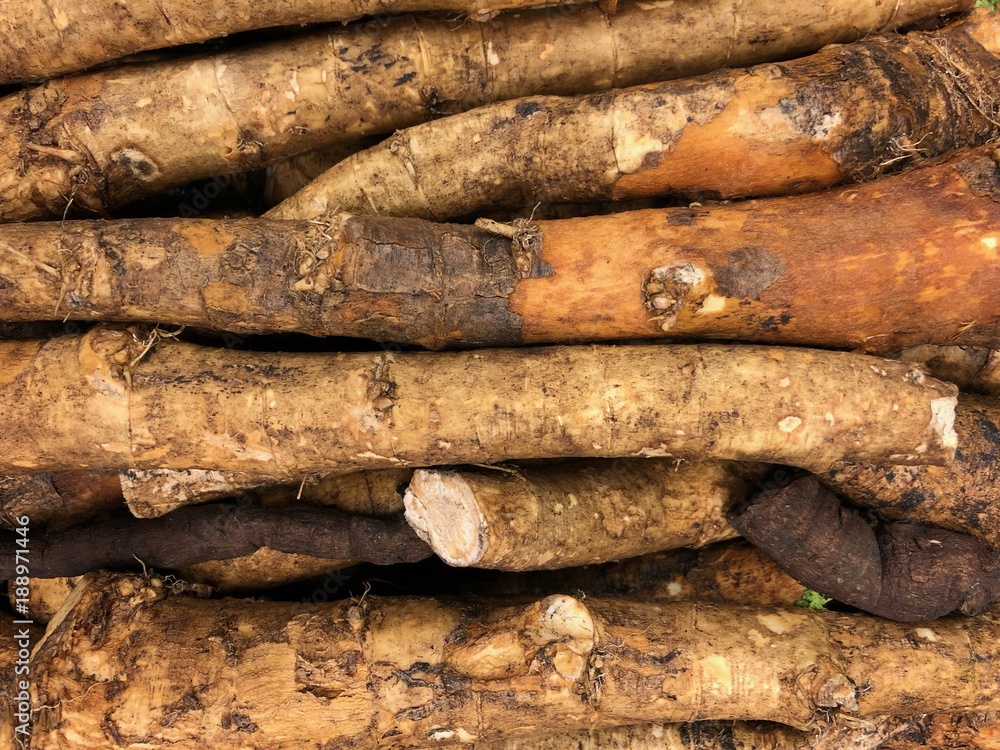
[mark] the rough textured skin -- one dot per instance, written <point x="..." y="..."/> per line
<point x="113" y="399"/>
<point x="46" y="596"/>
<point x="42" y="40"/>
<point x="422" y="673"/>
<point x="103" y="139"/>
<point x="846" y="113"/>
<point x="55" y="501"/>
<point x="215" y="532"/>
<point x="963" y="495"/>
<point x="872" y="267"/>
<point x="971" y="368"/>
<point x="908" y="572"/>
<point x="741" y="574"/>
<point x="576" y="513"/>
<point x="256" y="276"/>
<point x="715" y="735"/>
<point x="31" y="495"/>
<point x="151" y="493"/>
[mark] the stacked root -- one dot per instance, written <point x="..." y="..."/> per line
<point x="747" y="287"/>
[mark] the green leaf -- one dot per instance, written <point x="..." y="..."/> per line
<point x="991" y="4"/>
<point x="812" y="600"/>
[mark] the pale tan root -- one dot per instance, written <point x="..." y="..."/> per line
<point x="971" y="368"/>
<point x="107" y="138"/>
<point x="577" y="513"/>
<point x="400" y="673"/>
<point x="153" y="492"/>
<point x="285" y="178"/>
<point x="846" y="113"/>
<point x="264" y="569"/>
<point x="35" y="33"/>
<point x="113" y="399"/>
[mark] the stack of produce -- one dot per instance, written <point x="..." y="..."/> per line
<point x="591" y="376"/>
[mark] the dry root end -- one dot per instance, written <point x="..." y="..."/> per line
<point x="317" y="275"/>
<point x="523" y="233"/>
<point x="667" y="288"/>
<point x="838" y="692"/>
<point x="943" y="420"/>
<point x="442" y="509"/>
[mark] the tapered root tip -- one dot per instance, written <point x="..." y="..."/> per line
<point x="441" y="507"/>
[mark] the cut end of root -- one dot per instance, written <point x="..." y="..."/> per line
<point x="943" y="421"/>
<point x="441" y="507"/>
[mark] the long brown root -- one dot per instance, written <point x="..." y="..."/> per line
<point x="419" y="672"/>
<point x="846" y="113"/>
<point x="113" y="399"/>
<point x="744" y="271"/>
